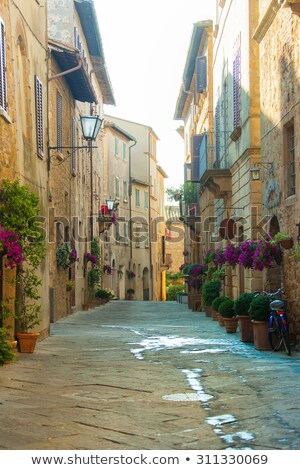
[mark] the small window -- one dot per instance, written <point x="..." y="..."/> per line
<point x="3" y="89"/>
<point x="116" y="147"/>
<point x="125" y="233"/>
<point x="117" y="231"/>
<point x="124" y="152"/>
<point x="125" y="191"/>
<point x="146" y="199"/>
<point x="39" y="116"/>
<point x="117" y="187"/>
<point x="290" y="160"/>
<point x="137" y="198"/>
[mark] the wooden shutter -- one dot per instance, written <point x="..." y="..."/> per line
<point x="201" y="74"/>
<point x="195" y="160"/>
<point x="73" y="144"/>
<point x="59" y="120"/>
<point x="217" y="132"/>
<point x="39" y="116"/>
<point x="3" y="90"/>
<point x="187" y="172"/>
<point x="237" y="89"/>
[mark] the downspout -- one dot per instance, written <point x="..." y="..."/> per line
<point x="130" y="202"/>
<point x="149" y="216"/>
<point x="66" y="72"/>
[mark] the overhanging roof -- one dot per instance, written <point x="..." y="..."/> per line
<point x="88" y="18"/>
<point x="118" y="129"/>
<point x="189" y="68"/>
<point x="78" y="81"/>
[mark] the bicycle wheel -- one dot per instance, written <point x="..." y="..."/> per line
<point x="276" y="332"/>
<point x="286" y="340"/>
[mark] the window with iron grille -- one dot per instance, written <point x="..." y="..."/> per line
<point x="137" y="197"/>
<point x="117" y="187"/>
<point x="125" y="191"/>
<point x="3" y="89"/>
<point x="290" y="160"/>
<point x="39" y="116"/>
<point x="236" y="76"/>
<point x="59" y="120"/>
<point x="73" y="144"/>
<point x="124" y="152"/>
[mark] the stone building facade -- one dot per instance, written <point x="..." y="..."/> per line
<point x="277" y="35"/>
<point x="23" y="112"/>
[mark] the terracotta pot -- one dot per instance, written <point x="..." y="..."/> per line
<point x="214" y="314"/>
<point x="261" y="335"/>
<point x="221" y="320"/>
<point x="27" y="342"/>
<point x="286" y="244"/>
<point x="231" y="324"/>
<point x="246" y="329"/>
<point x="85" y="307"/>
<point x="208" y="310"/>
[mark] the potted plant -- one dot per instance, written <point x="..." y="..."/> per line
<point x="210" y="291"/>
<point x="130" y="294"/>
<point x="295" y="252"/>
<point x="6" y="348"/>
<point x="215" y="306"/>
<point x="227" y="311"/>
<point x="259" y="312"/>
<point x="182" y="297"/>
<point x="102" y="295"/>
<point x="284" y="240"/>
<point x="241" y="306"/>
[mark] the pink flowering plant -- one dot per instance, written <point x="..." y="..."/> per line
<point x="232" y="254"/>
<point x="10" y="245"/>
<point x="248" y="249"/>
<point x="220" y="259"/>
<point x="264" y="255"/>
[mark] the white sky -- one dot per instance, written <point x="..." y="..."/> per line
<point x="145" y="45"/>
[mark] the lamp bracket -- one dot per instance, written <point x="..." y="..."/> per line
<point x="65" y="148"/>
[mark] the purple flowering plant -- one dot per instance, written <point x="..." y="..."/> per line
<point x="73" y="255"/>
<point x="231" y="254"/>
<point x="107" y="269"/>
<point x="92" y="258"/>
<point x="220" y="259"/>
<point x="248" y="249"/>
<point x="209" y="256"/>
<point x="131" y="274"/>
<point x="264" y="255"/>
<point x="11" y="247"/>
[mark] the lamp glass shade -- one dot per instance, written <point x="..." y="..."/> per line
<point x="90" y="126"/>
<point x="110" y="204"/>
<point x="255" y="174"/>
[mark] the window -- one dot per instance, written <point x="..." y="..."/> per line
<point x="146" y="199"/>
<point x="124" y="152"/>
<point x="3" y="89"/>
<point x="125" y="191"/>
<point x="117" y="187"/>
<point x="39" y="116"/>
<point x="117" y="231"/>
<point x="290" y="160"/>
<point x="116" y="147"/>
<point x="59" y="120"/>
<point x="125" y="233"/>
<point x="137" y="197"/>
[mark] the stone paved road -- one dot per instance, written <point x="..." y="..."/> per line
<point x="134" y="375"/>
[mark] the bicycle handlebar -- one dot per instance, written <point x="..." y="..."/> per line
<point x="270" y="294"/>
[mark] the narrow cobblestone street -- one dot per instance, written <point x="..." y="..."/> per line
<point x="148" y="375"/>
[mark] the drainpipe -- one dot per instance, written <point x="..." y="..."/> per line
<point x="130" y="201"/>
<point x="149" y="216"/>
<point x="66" y="72"/>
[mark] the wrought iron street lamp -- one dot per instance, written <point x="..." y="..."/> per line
<point x="255" y="172"/>
<point x="110" y="204"/>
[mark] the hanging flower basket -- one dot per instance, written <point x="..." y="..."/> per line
<point x="92" y="258"/>
<point x="11" y="247"/>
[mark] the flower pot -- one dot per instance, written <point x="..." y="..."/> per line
<point x="246" y="329"/>
<point x="261" y="335"/>
<point x="27" y="342"/>
<point x="194" y="301"/>
<point x="286" y="244"/>
<point x="231" y="324"/>
<point x="221" y="320"/>
<point x="208" y="310"/>
<point x="85" y="307"/>
<point x="104" y="209"/>
<point x="214" y="314"/>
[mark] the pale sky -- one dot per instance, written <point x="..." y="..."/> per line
<point x="145" y="45"/>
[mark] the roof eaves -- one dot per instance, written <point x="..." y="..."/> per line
<point x="118" y="129"/>
<point x="88" y="18"/>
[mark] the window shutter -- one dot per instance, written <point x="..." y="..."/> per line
<point x="217" y="132"/>
<point x="39" y="116"/>
<point x="201" y="74"/>
<point x="59" y="120"/>
<point x="76" y="38"/>
<point x="236" y="89"/>
<point x="203" y="151"/>
<point x="187" y="172"/>
<point x="195" y="163"/>
<point x="3" y="90"/>
<point x="73" y="144"/>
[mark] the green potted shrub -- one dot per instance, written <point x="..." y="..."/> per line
<point x="210" y="291"/>
<point x="226" y="309"/>
<point x="241" y="306"/>
<point x="259" y="312"/>
<point x="215" y="306"/>
<point x="130" y="294"/>
<point x="182" y="297"/>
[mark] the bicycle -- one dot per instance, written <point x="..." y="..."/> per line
<point x="278" y="326"/>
